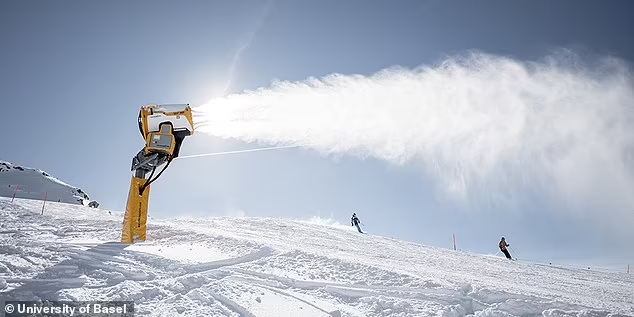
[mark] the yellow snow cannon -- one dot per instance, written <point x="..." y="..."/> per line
<point x="164" y="127"/>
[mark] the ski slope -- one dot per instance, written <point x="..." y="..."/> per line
<point x="34" y="183"/>
<point x="278" y="267"/>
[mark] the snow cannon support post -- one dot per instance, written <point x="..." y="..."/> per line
<point x="164" y="127"/>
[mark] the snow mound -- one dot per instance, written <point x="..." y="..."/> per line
<point x="274" y="267"/>
<point x="32" y="183"/>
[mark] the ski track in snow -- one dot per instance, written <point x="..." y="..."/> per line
<point x="274" y="267"/>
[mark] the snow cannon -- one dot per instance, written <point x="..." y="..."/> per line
<point x="164" y="127"/>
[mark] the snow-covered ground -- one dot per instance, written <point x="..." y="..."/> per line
<point x="33" y="183"/>
<point x="278" y="267"/>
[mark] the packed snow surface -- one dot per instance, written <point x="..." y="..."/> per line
<point x="278" y="267"/>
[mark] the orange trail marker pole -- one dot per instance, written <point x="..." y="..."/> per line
<point x="15" y="192"/>
<point x="44" y="204"/>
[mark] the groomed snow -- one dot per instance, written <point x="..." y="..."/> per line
<point x="276" y="267"/>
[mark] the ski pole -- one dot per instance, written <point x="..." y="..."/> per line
<point x="514" y="252"/>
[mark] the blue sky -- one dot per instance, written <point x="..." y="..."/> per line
<point x="74" y="74"/>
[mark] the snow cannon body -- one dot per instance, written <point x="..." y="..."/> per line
<point x="163" y="127"/>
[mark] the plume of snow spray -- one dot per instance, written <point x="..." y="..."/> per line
<point x="483" y="125"/>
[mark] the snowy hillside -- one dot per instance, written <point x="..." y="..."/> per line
<point x="33" y="183"/>
<point x="277" y="268"/>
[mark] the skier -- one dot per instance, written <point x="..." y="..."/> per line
<point x="354" y="221"/>
<point x="503" y="246"/>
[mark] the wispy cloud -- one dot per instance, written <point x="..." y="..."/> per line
<point x="245" y="45"/>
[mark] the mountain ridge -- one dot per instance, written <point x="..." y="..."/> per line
<point x="37" y="184"/>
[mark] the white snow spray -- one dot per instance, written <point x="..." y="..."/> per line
<point x="486" y="128"/>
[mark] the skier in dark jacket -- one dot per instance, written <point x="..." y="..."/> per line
<point x="354" y="221"/>
<point x="503" y="246"/>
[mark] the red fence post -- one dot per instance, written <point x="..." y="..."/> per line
<point x="15" y="192"/>
<point x="44" y="204"/>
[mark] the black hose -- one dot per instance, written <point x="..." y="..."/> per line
<point x="155" y="178"/>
